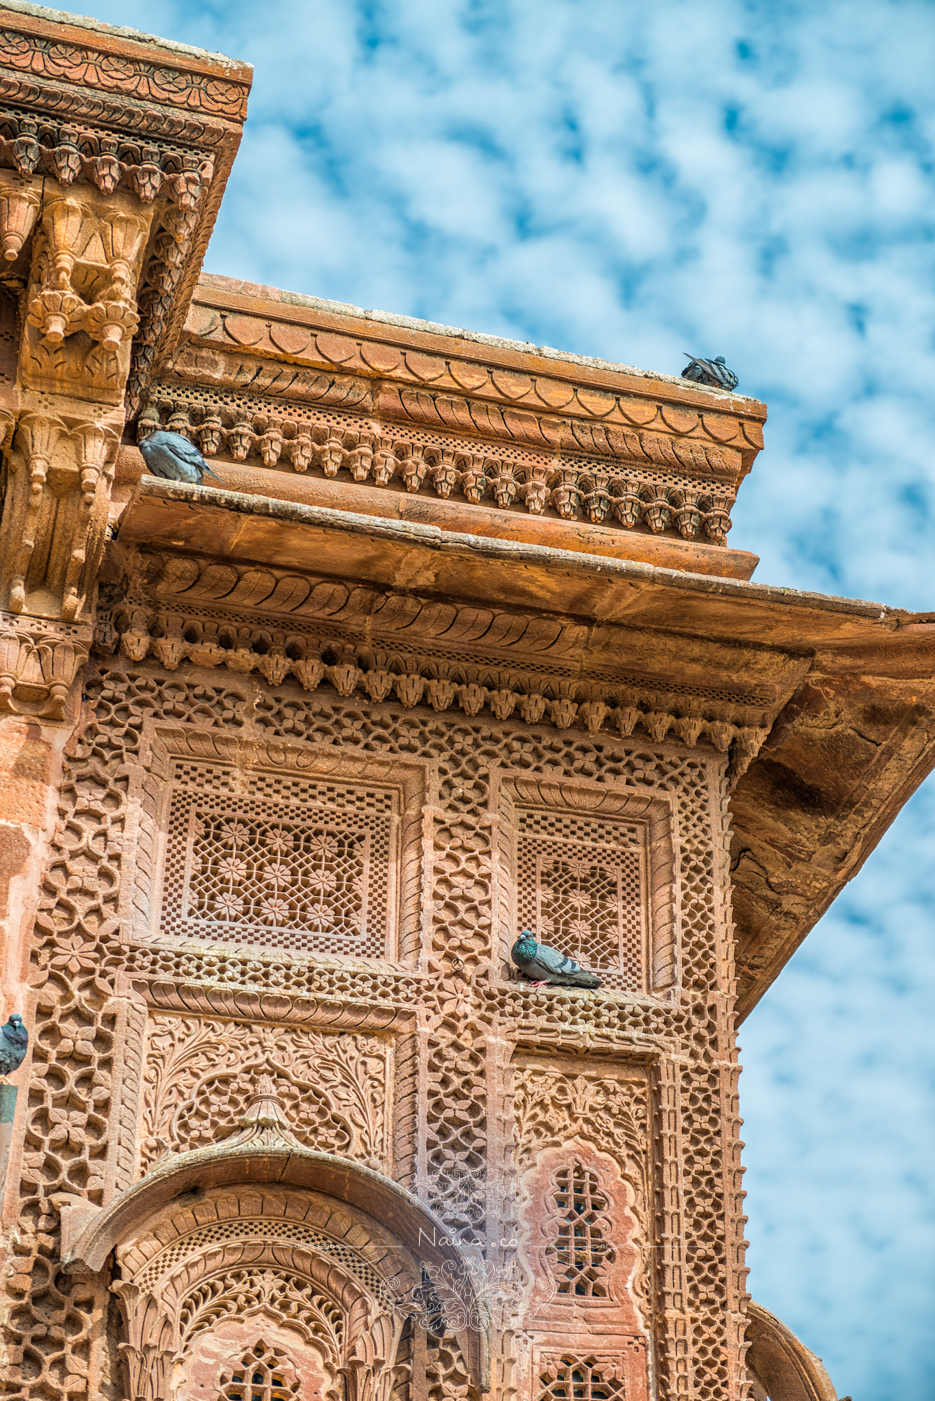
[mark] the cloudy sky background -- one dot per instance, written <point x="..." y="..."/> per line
<point x="636" y="180"/>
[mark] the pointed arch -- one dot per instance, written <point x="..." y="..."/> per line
<point x="356" y="1240"/>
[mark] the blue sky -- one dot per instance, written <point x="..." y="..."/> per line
<point x="636" y="180"/>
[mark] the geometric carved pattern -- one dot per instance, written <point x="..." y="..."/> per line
<point x="589" y="1378"/>
<point x="261" y="1376"/>
<point x="579" y="887"/>
<point x="276" y="1237"/>
<point x="446" y="1379"/>
<point x="82" y="946"/>
<point x="580" y="1255"/>
<point x="591" y="866"/>
<point x="201" y="1073"/>
<point x="457" y="1138"/>
<point x="288" y="874"/>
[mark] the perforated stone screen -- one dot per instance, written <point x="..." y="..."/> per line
<point x="295" y="865"/>
<point x="580" y="887"/>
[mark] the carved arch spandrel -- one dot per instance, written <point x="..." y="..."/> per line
<point x="654" y="812"/>
<point x="337" y="1087"/>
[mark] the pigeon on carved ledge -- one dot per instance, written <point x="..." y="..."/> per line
<point x="172" y="456"/>
<point x="14" y="1038"/>
<point x="542" y="964"/>
<point x="713" y="373"/>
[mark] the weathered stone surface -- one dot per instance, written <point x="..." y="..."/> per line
<point x="456" y="648"/>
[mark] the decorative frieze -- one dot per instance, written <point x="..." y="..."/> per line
<point x="536" y="698"/>
<point x="455" y="384"/>
<point x="641" y="480"/>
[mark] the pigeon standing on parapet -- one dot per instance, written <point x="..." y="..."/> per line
<point x="14" y="1038"/>
<point x="711" y="372"/>
<point x="171" y="456"/>
<point x="542" y="964"/>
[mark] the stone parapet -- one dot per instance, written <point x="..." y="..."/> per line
<point x="333" y="406"/>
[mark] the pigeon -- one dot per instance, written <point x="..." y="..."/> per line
<point x="14" y="1038"/>
<point x="711" y="372"/>
<point x="172" y="456"/>
<point x="541" y="965"/>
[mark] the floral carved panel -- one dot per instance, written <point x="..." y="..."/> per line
<point x="591" y="870"/>
<point x="201" y="1073"/>
<point x="283" y="848"/>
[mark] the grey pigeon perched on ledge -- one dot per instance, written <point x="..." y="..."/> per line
<point x="172" y="456"/>
<point x="14" y="1038"/>
<point x="713" y="373"/>
<point x="542" y="964"/>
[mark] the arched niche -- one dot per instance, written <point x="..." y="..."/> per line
<point x="606" y="1292"/>
<point x="781" y="1367"/>
<point x="242" y="1244"/>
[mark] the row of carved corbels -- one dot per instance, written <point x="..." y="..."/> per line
<point x="71" y="153"/>
<point x="139" y="633"/>
<point x="38" y="666"/>
<point x="58" y="479"/>
<point x="258" y="432"/>
<point x="571" y="488"/>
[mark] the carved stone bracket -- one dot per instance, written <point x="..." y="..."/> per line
<point x="57" y="489"/>
<point x="38" y="665"/>
<point x="81" y="305"/>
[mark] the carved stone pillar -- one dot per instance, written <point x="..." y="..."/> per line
<point x="114" y="152"/>
<point x="109" y="183"/>
<point x="113" y="155"/>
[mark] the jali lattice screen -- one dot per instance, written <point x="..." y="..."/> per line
<point x="294" y="865"/>
<point x="580" y="887"/>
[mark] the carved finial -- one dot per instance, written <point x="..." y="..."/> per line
<point x="263" y="1123"/>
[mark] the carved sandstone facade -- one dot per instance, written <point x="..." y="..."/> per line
<point x="458" y="646"/>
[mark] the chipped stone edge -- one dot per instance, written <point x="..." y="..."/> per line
<point x="514" y="551"/>
<point x="219" y="283"/>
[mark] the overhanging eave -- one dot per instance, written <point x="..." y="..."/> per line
<point x="847" y="686"/>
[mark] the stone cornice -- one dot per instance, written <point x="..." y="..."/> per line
<point x="115" y="61"/>
<point x="371" y="403"/>
<point x="493" y="390"/>
<point x="87" y="104"/>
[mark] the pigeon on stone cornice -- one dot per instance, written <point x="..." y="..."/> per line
<point x="714" y="373"/>
<point x="174" y="457"/>
<point x="14" y="1038"/>
<point x="542" y="964"/>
